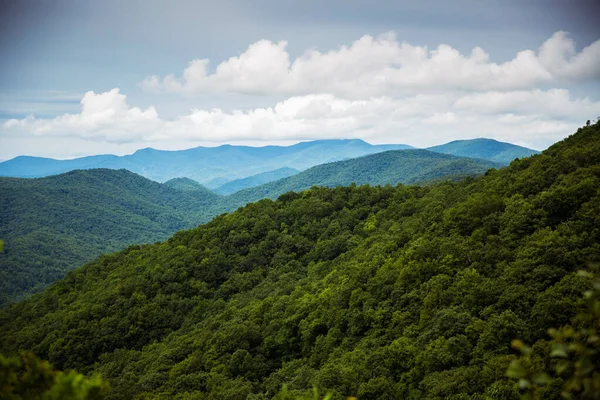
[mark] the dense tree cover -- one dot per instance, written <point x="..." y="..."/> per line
<point x="487" y="149"/>
<point x="390" y="167"/>
<point x="52" y="225"/>
<point x="25" y="377"/>
<point x="575" y="349"/>
<point x="375" y="292"/>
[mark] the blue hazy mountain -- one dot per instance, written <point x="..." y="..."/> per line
<point x="487" y="149"/>
<point x="211" y="166"/>
<point x="255" y="180"/>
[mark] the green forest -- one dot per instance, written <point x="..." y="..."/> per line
<point x="51" y="225"/>
<point x="55" y="224"/>
<point x="444" y="291"/>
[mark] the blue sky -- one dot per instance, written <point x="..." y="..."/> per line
<point x="88" y="77"/>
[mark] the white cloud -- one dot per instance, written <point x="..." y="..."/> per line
<point x="376" y="89"/>
<point x="534" y="118"/>
<point x="555" y="102"/>
<point x="103" y="116"/>
<point x="559" y="57"/>
<point x="380" y="66"/>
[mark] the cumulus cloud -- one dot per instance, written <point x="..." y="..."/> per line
<point x="103" y="116"/>
<point x="382" y="66"/>
<point x="535" y="118"/>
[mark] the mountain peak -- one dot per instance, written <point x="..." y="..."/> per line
<point x="484" y="148"/>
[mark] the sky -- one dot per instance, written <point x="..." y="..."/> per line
<point x="85" y="77"/>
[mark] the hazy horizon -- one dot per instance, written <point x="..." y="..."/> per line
<point x="81" y="78"/>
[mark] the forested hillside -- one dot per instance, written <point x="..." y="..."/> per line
<point x="52" y="225"/>
<point x="400" y="292"/>
<point x="387" y="168"/>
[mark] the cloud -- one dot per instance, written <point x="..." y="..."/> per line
<point x="555" y="102"/>
<point x="534" y="118"/>
<point x="559" y="57"/>
<point x="103" y="116"/>
<point x="382" y="66"/>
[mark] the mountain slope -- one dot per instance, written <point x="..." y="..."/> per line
<point x="203" y="164"/>
<point x="52" y="225"/>
<point x="487" y="149"/>
<point x="375" y="292"/>
<point x="390" y="167"/>
<point x="255" y="180"/>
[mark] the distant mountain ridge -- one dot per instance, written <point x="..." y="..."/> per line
<point x="211" y="166"/>
<point x="255" y="180"/>
<point x="487" y="149"/>
<point x="214" y="167"/>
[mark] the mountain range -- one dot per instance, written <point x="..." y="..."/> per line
<point x="54" y="224"/>
<point x="216" y="166"/>
<point x="386" y="168"/>
<point x="210" y="166"/>
<point x="255" y="180"/>
<point x="452" y="290"/>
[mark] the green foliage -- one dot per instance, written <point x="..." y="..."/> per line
<point x="25" y="377"/>
<point x="387" y="292"/>
<point x="285" y="394"/>
<point x="574" y="353"/>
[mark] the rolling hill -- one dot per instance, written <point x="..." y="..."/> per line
<point x="400" y="292"/>
<point x="487" y="149"/>
<point x="52" y="225"/>
<point x="211" y="166"/>
<point x="187" y="184"/>
<point x="390" y="167"/>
